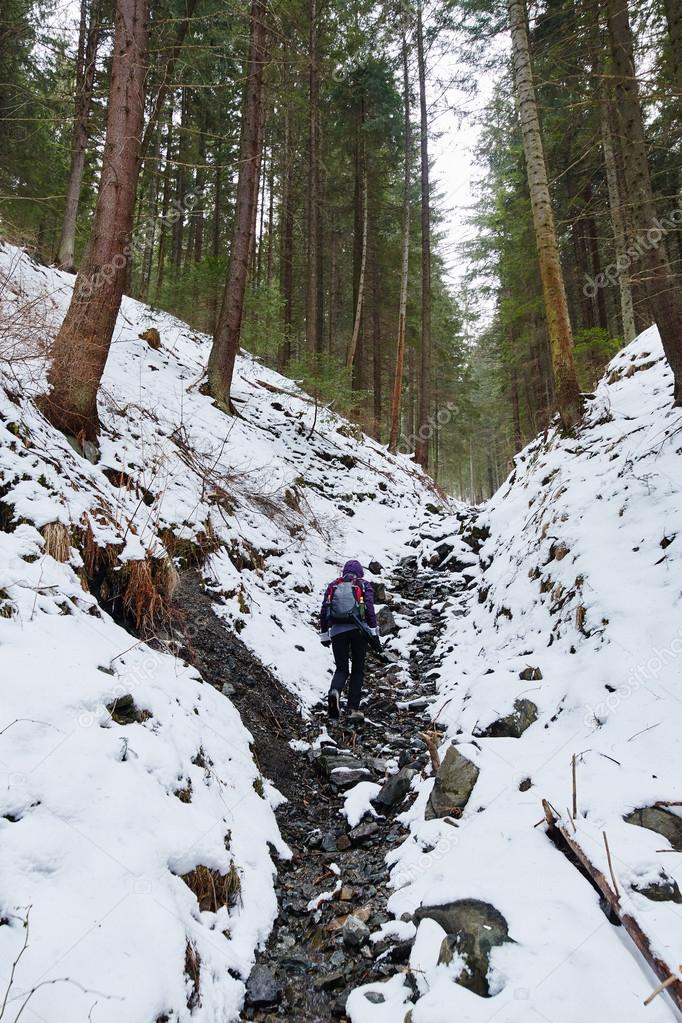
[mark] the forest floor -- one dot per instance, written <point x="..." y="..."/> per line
<point x="332" y="893"/>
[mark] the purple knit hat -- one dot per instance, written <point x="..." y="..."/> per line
<point x="353" y="567"/>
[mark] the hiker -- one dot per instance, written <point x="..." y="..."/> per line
<point x="348" y="622"/>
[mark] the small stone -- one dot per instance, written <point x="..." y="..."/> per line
<point x="262" y="987"/>
<point x="394" y="790"/>
<point x="657" y="818"/>
<point x="328" y="843"/>
<point x="525" y="785"/>
<point x="354" y="932"/>
<point x="346" y="894"/>
<point x="363" y="832"/>
<point x="227" y="689"/>
<point x="524" y="714"/>
<point x="375" y="568"/>
<point x="375" y="997"/>
<point x="530" y="675"/>
<point x="386" y="622"/>
<point x="330" y="980"/>
<point x="343" y="843"/>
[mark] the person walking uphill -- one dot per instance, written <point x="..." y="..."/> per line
<point x="348" y="622"/>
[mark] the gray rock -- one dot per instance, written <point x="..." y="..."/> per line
<point x="262" y="987"/>
<point x="393" y="791"/>
<point x="386" y="622"/>
<point x="228" y="689"/>
<point x="354" y="932"/>
<point x="375" y="997"/>
<point x="329" y="980"/>
<point x="512" y="726"/>
<point x="362" y="832"/>
<point x="473" y="929"/>
<point x="657" y="818"/>
<point x="664" y="889"/>
<point x="530" y="675"/>
<point x="453" y="786"/>
<point x="345" y="777"/>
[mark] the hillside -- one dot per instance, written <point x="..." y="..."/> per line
<point x="166" y="761"/>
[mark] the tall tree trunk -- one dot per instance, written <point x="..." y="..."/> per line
<point x="165" y="199"/>
<point x="286" y="263"/>
<point x="80" y="349"/>
<point x="86" y="62"/>
<point x="313" y="342"/>
<point x="352" y="348"/>
<point x="662" y="287"/>
<point x="421" y="450"/>
<point x="566" y="388"/>
<point x="673" y="17"/>
<point x="604" y="100"/>
<point x="394" y="429"/>
<point x="226" y="339"/>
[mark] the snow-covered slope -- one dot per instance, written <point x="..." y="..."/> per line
<point x="581" y="578"/>
<point x="106" y="803"/>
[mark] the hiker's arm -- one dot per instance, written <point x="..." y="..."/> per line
<point x="370" y="613"/>
<point x="325" y="636"/>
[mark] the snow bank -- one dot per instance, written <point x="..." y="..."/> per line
<point x="102" y="814"/>
<point x="581" y="578"/>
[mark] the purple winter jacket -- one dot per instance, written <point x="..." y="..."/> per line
<point x="351" y="570"/>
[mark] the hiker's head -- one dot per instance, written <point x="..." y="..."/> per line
<point x="353" y="567"/>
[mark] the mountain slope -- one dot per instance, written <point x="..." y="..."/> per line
<point x="137" y="833"/>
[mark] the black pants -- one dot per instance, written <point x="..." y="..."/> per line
<point x="353" y="645"/>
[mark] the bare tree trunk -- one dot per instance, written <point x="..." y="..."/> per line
<point x="226" y="339"/>
<point x="286" y="268"/>
<point x="350" y="357"/>
<point x="313" y="342"/>
<point x="663" y="289"/>
<point x="80" y="349"/>
<point x="405" y="260"/>
<point x="566" y="388"/>
<point x="421" y="451"/>
<point x="165" y="199"/>
<point x="86" y="62"/>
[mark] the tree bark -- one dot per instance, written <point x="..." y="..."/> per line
<point x="313" y="341"/>
<point x="80" y="349"/>
<point x="662" y="288"/>
<point x="567" y="392"/>
<point x="421" y="452"/>
<point x="405" y="259"/>
<point x="86" y="63"/>
<point x="226" y="340"/>
<point x="352" y="348"/>
<point x="286" y="264"/>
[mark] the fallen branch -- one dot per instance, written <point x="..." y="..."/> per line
<point x="608" y="857"/>
<point x="673" y="984"/>
<point x="661" y="987"/>
<point x="430" y="739"/>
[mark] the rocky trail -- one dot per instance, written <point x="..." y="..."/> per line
<point x="332" y="894"/>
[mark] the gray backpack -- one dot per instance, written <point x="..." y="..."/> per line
<point x="347" y="603"/>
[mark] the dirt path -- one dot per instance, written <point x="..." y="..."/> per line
<point x="314" y="957"/>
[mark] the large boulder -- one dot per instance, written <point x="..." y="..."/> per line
<point x="453" y="786"/>
<point x="386" y="621"/>
<point x="513" y="725"/>
<point x="473" y="929"/>
<point x="657" y="818"/>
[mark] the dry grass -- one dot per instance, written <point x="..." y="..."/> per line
<point x="148" y="592"/>
<point x="57" y="541"/>
<point x="213" y="889"/>
<point x="193" y="973"/>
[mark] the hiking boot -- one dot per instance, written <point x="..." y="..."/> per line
<point x="333" y="704"/>
<point x="356" y="717"/>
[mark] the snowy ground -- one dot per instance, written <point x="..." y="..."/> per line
<point x="95" y="826"/>
<point x="582" y="578"/>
